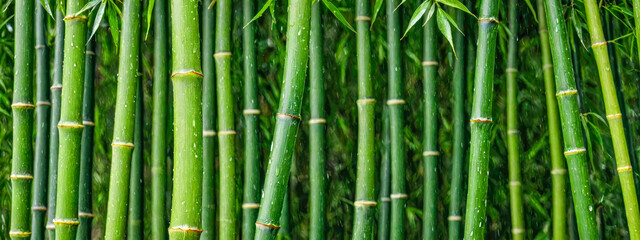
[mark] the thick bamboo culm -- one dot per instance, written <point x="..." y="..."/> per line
<point x="566" y="95"/>
<point x="22" y="112"/>
<point x="208" y="122"/>
<point x="481" y="120"/>
<point x="558" y="168"/>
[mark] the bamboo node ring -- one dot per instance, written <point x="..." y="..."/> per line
<point x="250" y="205"/>
<point x="480" y="120"/>
<point x="23" y="105"/>
<point x="365" y="100"/>
<point x="513" y="131"/>
<point x="547" y="66"/>
<point x="70" y="222"/>
<point x="365" y="203"/>
<point x="617" y="115"/>
<point x="88" y="123"/>
<point x="395" y="101"/>
<point x="189" y="72"/>
<point x="624" y="169"/>
<point x="50" y="227"/>
<point x="517" y="231"/>
<point x="38" y="208"/>
<point x="85" y="214"/>
<point x="317" y="120"/>
<point x="40" y="46"/>
<point x="92" y="53"/>
<point x="430" y="63"/>
<point x="559" y="171"/>
<point x="598" y="44"/>
<point x="251" y="112"/>
<point x="267" y="226"/>
<point x="43" y="103"/>
<point x="363" y="18"/>
<point x="488" y="20"/>
<point x="221" y="54"/>
<point x="514" y="183"/>
<point x="122" y="144"/>
<point x="511" y="70"/>
<point x="185" y="229"/>
<point x="574" y="151"/>
<point x="385" y="199"/>
<point x="399" y="195"/>
<point x="19" y="234"/>
<point x="70" y="125"/>
<point x="567" y="93"/>
<point x="287" y="115"/>
<point x="454" y="218"/>
<point x="226" y="132"/>
<point x="56" y="86"/>
<point x="21" y="176"/>
<point x="208" y="133"/>
<point x="69" y="18"/>
<point x="430" y="153"/>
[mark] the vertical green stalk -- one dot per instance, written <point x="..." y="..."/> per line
<point x="251" y="198"/>
<point x="459" y="128"/>
<point x="124" y="124"/>
<point x="56" y="89"/>
<point x="288" y="120"/>
<point x="365" y="182"/>
<point x="226" y="128"/>
<point x="22" y="158"/>
<point x="384" y="210"/>
<point x="208" y="123"/>
<point x="481" y="120"/>
<point x="134" y="220"/>
<point x="398" y="193"/>
<point x="513" y="134"/>
<point x="317" y="168"/>
<point x="429" y="147"/>
<point x="159" y="115"/>
<point x="85" y="202"/>
<point x="614" y="117"/>
<point x="70" y="126"/>
<point x="43" y="105"/>
<point x="566" y="94"/>
<point x="186" y="210"/>
<point x="285" y="218"/>
<point x="558" y="168"/>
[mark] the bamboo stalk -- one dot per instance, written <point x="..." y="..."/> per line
<point x="22" y="111"/>
<point x="365" y="181"/>
<point x="558" y="168"/>
<point x="70" y="126"/>
<point x="285" y="218"/>
<point x="186" y="218"/>
<point x="430" y="149"/>
<point x="288" y="120"/>
<point x="43" y="105"/>
<point x="317" y="161"/>
<point x="134" y="220"/>
<point x="566" y="95"/>
<point x="56" y="89"/>
<point x="398" y="193"/>
<point x="208" y="123"/>
<point x="384" y="210"/>
<point x="513" y="134"/>
<point x="85" y="200"/>
<point x="614" y="117"/>
<point x="159" y="128"/>
<point x="124" y="125"/>
<point x="459" y="128"/>
<point x="481" y="120"/>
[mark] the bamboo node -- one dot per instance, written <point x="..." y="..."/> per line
<point x="14" y="233"/>
<point x="85" y="214"/>
<point x="250" y="205"/>
<point x="122" y="144"/>
<point x="43" y="103"/>
<point x="50" y="227"/>
<point x="480" y="120"/>
<point x="546" y="66"/>
<point x="517" y="231"/>
<point x="317" y="120"/>
<point x="208" y="133"/>
<point x="574" y="151"/>
<point x="69" y="125"/>
<point x="70" y="222"/>
<point x="454" y="218"/>
<point x="187" y="72"/>
<point x="365" y="203"/>
<point x="38" y="208"/>
<point x="513" y="131"/>
<point x="92" y="53"/>
<point x="40" y="46"/>
<point x="490" y="19"/>
<point x="287" y="115"/>
<point x="511" y="70"/>
<point x="251" y="112"/>
<point x="617" y="115"/>
<point x="385" y="199"/>
<point x="221" y="54"/>
<point x="185" y="229"/>
<point x="56" y="86"/>
<point x="363" y="18"/>
<point x="21" y="176"/>
<point x="624" y="169"/>
<point x="430" y="153"/>
<point x="559" y="171"/>
<point x="23" y="105"/>
<point x="365" y="100"/>
<point x="542" y="31"/>
<point x="514" y="183"/>
<point x="88" y="123"/>
<point x="399" y="195"/>
<point x="69" y="18"/>
<point x="226" y="132"/>
<point x="567" y="93"/>
<point x="430" y="63"/>
<point x="267" y="226"/>
<point x="395" y="101"/>
<point x="598" y="44"/>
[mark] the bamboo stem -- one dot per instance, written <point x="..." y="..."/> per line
<point x="209" y="122"/>
<point x="384" y="210"/>
<point x="134" y="220"/>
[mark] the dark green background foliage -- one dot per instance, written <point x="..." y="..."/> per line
<point x="340" y="76"/>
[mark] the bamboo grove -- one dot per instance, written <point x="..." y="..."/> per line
<point x="319" y="119"/>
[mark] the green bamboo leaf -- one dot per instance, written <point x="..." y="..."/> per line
<point x="6" y="6"/>
<point x="456" y="4"/>
<point x="113" y="23"/>
<point x="149" y="14"/>
<point x="6" y="21"/>
<point x="47" y="7"/>
<point x="432" y="10"/>
<point x="272" y="10"/>
<point x="445" y="29"/>
<point x="417" y="15"/>
<point x="376" y="8"/>
<point x="87" y="6"/>
<point x="535" y="16"/>
<point x="98" y="20"/>
<point x="453" y="22"/>
<point x="259" y="14"/>
<point x="587" y="135"/>
<point x="211" y="4"/>
<point x="338" y="15"/>
<point x="400" y="4"/>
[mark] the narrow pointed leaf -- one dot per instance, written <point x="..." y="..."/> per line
<point x="417" y="15"/>
<point x="149" y="14"/>
<point x="453" y="22"/>
<point x="376" y="9"/>
<point x="429" y="15"/>
<point x="336" y="12"/>
<point x="259" y="14"/>
<point x="98" y="19"/>
<point x="445" y="29"/>
<point x="456" y="4"/>
<point x="88" y="6"/>
<point x="212" y="3"/>
<point x="394" y="10"/>
<point x="46" y="6"/>
<point x="113" y="23"/>
<point x="535" y="16"/>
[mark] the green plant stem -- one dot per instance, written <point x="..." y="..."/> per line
<point x="43" y="105"/>
<point x="56" y="89"/>
<point x="134" y="220"/>
<point x="285" y="218"/>
<point x="481" y="120"/>
<point x="614" y="117"/>
<point x="85" y="200"/>
<point x="288" y="120"/>
<point x="208" y="123"/>
<point x="430" y="149"/>
<point x="566" y="95"/>
<point x="22" y="111"/>
<point x="558" y="168"/>
<point x="384" y="210"/>
<point x="186" y="218"/>
<point x="159" y="128"/>
<point x="70" y="126"/>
